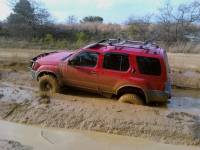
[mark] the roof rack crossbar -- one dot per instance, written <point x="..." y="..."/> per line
<point x="126" y="43"/>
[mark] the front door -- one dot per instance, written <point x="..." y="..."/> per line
<point x="82" y="71"/>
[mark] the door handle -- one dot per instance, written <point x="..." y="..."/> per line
<point x="133" y="70"/>
<point x="93" y="72"/>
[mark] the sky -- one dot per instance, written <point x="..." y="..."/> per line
<point x="113" y="11"/>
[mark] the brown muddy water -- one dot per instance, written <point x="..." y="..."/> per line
<point x="186" y="93"/>
<point x="176" y="123"/>
<point x="185" y="99"/>
<point x="181" y="98"/>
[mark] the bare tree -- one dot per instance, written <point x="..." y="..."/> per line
<point x="72" y="20"/>
<point x="140" y="28"/>
<point x="175" y="23"/>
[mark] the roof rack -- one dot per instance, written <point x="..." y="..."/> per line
<point x="125" y="43"/>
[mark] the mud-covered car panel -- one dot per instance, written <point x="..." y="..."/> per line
<point x="104" y="65"/>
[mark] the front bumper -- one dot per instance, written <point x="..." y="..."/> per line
<point x="33" y="73"/>
<point x="158" y="96"/>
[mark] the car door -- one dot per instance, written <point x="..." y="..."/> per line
<point x="82" y="70"/>
<point x="115" y="69"/>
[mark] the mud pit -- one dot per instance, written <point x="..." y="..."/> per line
<point x="12" y="145"/>
<point x="176" y="123"/>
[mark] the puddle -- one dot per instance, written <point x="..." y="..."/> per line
<point x="10" y="93"/>
<point x="82" y="112"/>
<point x="13" y="145"/>
<point x="182" y="99"/>
<point x="186" y="93"/>
<point x="185" y="99"/>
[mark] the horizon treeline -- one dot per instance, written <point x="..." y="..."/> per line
<point x="30" y="25"/>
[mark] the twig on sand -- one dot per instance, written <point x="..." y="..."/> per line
<point x="11" y="111"/>
<point x="42" y="135"/>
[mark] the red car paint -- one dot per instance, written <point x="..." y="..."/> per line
<point x="154" y="87"/>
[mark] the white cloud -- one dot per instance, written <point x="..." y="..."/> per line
<point x="63" y="8"/>
<point x="5" y="10"/>
<point x="90" y="3"/>
<point x="55" y="2"/>
<point x="111" y="10"/>
<point x="104" y="4"/>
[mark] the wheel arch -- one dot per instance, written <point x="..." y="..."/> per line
<point x="132" y="89"/>
<point x="42" y="73"/>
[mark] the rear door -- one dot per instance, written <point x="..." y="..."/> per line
<point x="115" y="69"/>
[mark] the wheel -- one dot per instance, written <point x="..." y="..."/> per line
<point x="131" y="99"/>
<point x="48" y="85"/>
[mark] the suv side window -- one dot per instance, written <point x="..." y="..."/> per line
<point x="116" y="61"/>
<point x="86" y="59"/>
<point x="149" y="66"/>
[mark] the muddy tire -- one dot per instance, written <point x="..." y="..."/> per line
<point x="48" y="86"/>
<point x="131" y="99"/>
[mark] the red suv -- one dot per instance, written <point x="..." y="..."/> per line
<point x="132" y="71"/>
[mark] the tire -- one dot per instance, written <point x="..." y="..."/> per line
<point x="131" y="99"/>
<point x="48" y="85"/>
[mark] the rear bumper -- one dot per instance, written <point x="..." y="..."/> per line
<point x="158" y="96"/>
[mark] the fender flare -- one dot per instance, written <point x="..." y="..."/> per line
<point x="134" y="86"/>
<point x="47" y="72"/>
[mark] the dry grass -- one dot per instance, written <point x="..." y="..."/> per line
<point x="185" y="70"/>
<point x="19" y="55"/>
<point x="176" y="60"/>
<point x="189" y="47"/>
<point x="181" y="61"/>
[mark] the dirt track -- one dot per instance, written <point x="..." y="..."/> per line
<point x="176" y="123"/>
<point x="12" y="145"/>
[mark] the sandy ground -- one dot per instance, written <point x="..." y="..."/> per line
<point x="176" y="123"/>
<point x="53" y="138"/>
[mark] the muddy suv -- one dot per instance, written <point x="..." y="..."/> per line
<point x="131" y="71"/>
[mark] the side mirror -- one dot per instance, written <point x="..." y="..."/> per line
<point x="71" y="63"/>
<point x="74" y="62"/>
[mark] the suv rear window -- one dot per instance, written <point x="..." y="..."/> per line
<point x="149" y="66"/>
<point x="114" y="61"/>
